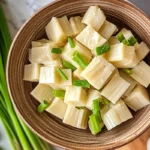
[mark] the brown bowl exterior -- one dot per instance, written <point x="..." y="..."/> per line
<point x="47" y="126"/>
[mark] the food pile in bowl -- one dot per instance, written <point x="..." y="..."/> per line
<point x="89" y="72"/>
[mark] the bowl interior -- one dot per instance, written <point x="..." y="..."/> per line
<point x="47" y="126"/>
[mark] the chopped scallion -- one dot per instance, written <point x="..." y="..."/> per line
<point x="80" y="60"/>
<point x="94" y="124"/>
<point x="56" y="50"/>
<point x="102" y="49"/>
<point x="96" y="106"/>
<point x="132" y="40"/>
<point x="81" y="83"/>
<point x="125" y="42"/>
<point x="44" y="104"/>
<point x="120" y="36"/>
<point x="96" y="109"/>
<point x="63" y="76"/>
<point x="68" y="65"/>
<point x="59" y="93"/>
<point x="127" y="71"/>
<point x="71" y="42"/>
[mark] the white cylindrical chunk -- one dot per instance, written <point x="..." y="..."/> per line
<point x="75" y="96"/>
<point x="138" y="98"/>
<point x="140" y="73"/>
<point x="76" y="117"/>
<point x="76" y="25"/>
<point x="83" y="118"/>
<point x="142" y="51"/>
<point x="90" y="38"/>
<point x="48" y="75"/>
<point x="136" y="45"/>
<point x="95" y="17"/>
<point x="116" y="72"/>
<point x="77" y="74"/>
<point x="126" y="57"/>
<point x="116" y="30"/>
<point x="116" y="53"/>
<point x="104" y="110"/>
<point x="32" y="72"/>
<point x="113" y="40"/>
<point x="65" y="25"/>
<point x="62" y="84"/>
<point x="107" y="29"/>
<point x="126" y="33"/>
<point x="92" y="95"/>
<point x="122" y="111"/>
<point x="111" y="119"/>
<point x="68" y="52"/>
<point x="98" y="72"/>
<point x="42" y="92"/>
<point x="115" y="88"/>
<point x="55" y="63"/>
<point x="130" y="80"/>
<point x="57" y="108"/>
<point x="71" y="112"/>
<point x="130" y="59"/>
<point x="42" y="54"/>
<point x="55" y="32"/>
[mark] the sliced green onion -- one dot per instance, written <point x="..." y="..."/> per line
<point x="127" y="71"/>
<point x="98" y="115"/>
<point x="59" y="93"/>
<point x="81" y="83"/>
<point x="96" y="109"/>
<point x="63" y="76"/>
<point x="132" y="40"/>
<point x="44" y="104"/>
<point x="120" y="36"/>
<point x="56" y="50"/>
<point x="68" y="65"/>
<point x="96" y="106"/>
<point x="80" y="107"/>
<point x="94" y="124"/>
<point x="80" y="60"/>
<point x="125" y="42"/>
<point x="5" y="38"/>
<point x="71" y="42"/>
<point x="102" y="49"/>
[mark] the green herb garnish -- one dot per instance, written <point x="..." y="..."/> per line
<point x="81" y="83"/>
<point x="132" y="40"/>
<point x="56" y="50"/>
<point x="68" y="65"/>
<point x="43" y="105"/>
<point x="72" y="45"/>
<point x="102" y="49"/>
<point x="120" y="36"/>
<point x="59" y="93"/>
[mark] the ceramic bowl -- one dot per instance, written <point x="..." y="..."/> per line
<point x="47" y="126"/>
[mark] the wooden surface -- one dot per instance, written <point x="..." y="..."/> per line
<point x="138" y="144"/>
<point x="45" y="125"/>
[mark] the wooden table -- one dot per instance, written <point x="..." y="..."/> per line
<point x="138" y="144"/>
